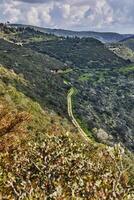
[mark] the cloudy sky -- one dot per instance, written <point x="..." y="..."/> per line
<point x="97" y="15"/>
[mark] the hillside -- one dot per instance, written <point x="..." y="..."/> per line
<point x="81" y="53"/>
<point x="36" y="68"/>
<point x="103" y="37"/>
<point x="129" y="42"/>
<point x="53" y="67"/>
<point x="122" y="51"/>
<point x="27" y="130"/>
<point x="23" y="35"/>
<point x="104" y="86"/>
<point x="56" y="109"/>
<point x="123" y="48"/>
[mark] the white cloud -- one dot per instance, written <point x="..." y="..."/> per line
<point x="9" y="11"/>
<point x="32" y="16"/>
<point x="102" y="15"/>
<point x="66" y="10"/>
<point x="38" y="15"/>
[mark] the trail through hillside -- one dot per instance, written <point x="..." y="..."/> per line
<point x="74" y="121"/>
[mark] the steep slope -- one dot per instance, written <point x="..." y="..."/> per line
<point x="104" y="83"/>
<point x="48" y="158"/>
<point x="43" y="156"/>
<point x="103" y="37"/>
<point x="43" y="86"/>
<point x="104" y="98"/>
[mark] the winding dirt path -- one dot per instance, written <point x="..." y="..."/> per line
<point x="74" y="121"/>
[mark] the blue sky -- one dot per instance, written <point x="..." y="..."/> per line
<point x="97" y="15"/>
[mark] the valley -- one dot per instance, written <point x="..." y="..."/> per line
<point x="53" y="66"/>
<point x="66" y="117"/>
<point x="96" y="70"/>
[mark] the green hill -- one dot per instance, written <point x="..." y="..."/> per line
<point x="82" y="53"/>
<point x="85" y="64"/>
<point x="43" y="156"/>
<point x="23" y="35"/>
<point x="105" y="37"/>
<point x="103" y="92"/>
<point x="124" y="48"/>
<point x="43" y="85"/>
<point x="122" y="51"/>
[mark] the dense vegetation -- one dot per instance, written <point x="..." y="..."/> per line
<point x="103" y="99"/>
<point x="82" y="53"/>
<point x="43" y="86"/>
<point x="50" y="79"/>
<point x="105" y="37"/>
<point x="43" y="156"/>
<point x="22" y="35"/>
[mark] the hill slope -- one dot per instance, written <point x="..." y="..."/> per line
<point x="123" y="48"/>
<point x="36" y="68"/>
<point x="103" y="82"/>
<point x="82" y="53"/>
<point x="122" y="51"/>
<point x="102" y="87"/>
<point x="43" y="156"/>
<point x="39" y="144"/>
<point x="103" y="37"/>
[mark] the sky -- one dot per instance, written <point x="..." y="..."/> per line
<point x="93" y="15"/>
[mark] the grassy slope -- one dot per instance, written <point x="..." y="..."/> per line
<point x="48" y="158"/>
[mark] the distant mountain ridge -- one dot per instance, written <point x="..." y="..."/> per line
<point x="131" y="37"/>
<point x="105" y="37"/>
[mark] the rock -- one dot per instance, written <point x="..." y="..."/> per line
<point x="102" y="136"/>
